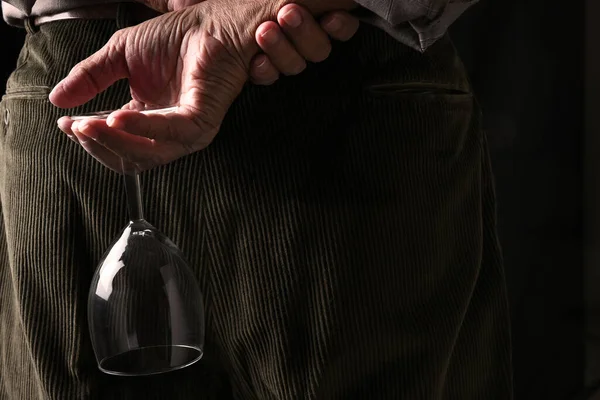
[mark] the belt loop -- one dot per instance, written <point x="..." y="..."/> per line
<point x="123" y="16"/>
<point x="30" y="26"/>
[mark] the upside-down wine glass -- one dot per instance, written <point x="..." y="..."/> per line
<point x="145" y="309"/>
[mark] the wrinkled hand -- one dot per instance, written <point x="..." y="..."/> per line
<point x="296" y="38"/>
<point x="285" y="52"/>
<point x="196" y="58"/>
<point x="193" y="58"/>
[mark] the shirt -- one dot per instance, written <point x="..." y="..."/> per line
<point x="416" y="23"/>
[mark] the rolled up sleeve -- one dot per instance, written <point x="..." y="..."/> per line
<point x="416" y="23"/>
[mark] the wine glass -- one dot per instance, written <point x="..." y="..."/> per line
<point x="145" y="309"/>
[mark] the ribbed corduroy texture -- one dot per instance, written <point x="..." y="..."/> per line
<point x="341" y="226"/>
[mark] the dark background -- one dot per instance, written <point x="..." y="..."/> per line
<point x="11" y="40"/>
<point x="527" y="63"/>
<point x="528" y="67"/>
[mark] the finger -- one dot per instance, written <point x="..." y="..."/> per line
<point x="134" y="105"/>
<point x="262" y="70"/>
<point x="64" y="124"/>
<point x="92" y="76"/>
<point x="278" y="48"/>
<point x="174" y="127"/>
<point x="309" y="39"/>
<point x="99" y="152"/>
<point x="144" y="153"/>
<point x="177" y="136"/>
<point x="340" y="25"/>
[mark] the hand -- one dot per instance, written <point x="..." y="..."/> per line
<point x="196" y="58"/>
<point x="300" y="39"/>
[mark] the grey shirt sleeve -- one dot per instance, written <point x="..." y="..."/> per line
<point x="416" y="23"/>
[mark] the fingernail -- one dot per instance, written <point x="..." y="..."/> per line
<point x="84" y="128"/>
<point x="270" y="36"/>
<point x="261" y="64"/>
<point x="54" y="90"/>
<point x="292" y="18"/>
<point x="77" y="133"/>
<point x="333" y="24"/>
<point x="115" y="123"/>
<point x="63" y="124"/>
<point x="75" y="127"/>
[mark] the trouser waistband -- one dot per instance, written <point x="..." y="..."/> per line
<point x="126" y="14"/>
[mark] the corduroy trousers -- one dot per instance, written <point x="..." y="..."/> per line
<point x="341" y="227"/>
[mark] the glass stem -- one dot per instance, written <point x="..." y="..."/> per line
<point x="132" y="190"/>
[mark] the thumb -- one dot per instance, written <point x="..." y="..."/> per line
<point x="92" y="75"/>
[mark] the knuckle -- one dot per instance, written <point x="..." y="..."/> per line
<point x="119" y="39"/>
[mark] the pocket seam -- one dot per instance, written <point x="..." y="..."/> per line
<point x="30" y="92"/>
<point x="417" y="89"/>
